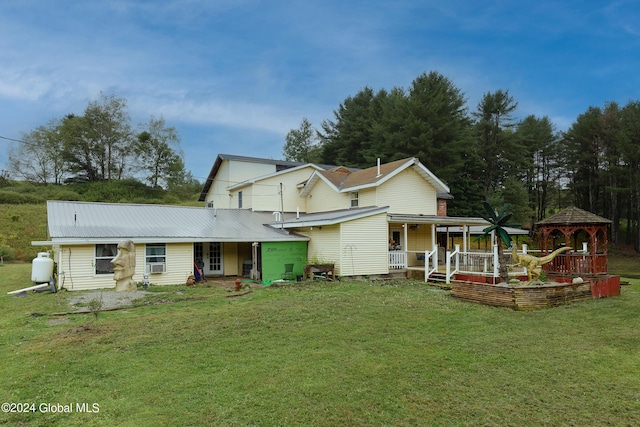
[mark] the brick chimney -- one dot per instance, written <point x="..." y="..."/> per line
<point x="442" y="207"/>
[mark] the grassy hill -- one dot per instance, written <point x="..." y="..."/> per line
<point x="23" y="211"/>
<point x="19" y="226"/>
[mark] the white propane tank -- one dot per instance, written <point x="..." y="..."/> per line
<point x="42" y="268"/>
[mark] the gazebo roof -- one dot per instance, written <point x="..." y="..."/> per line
<point x="573" y="216"/>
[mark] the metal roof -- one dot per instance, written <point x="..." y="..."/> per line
<point x="479" y="229"/>
<point x="435" y="219"/>
<point x="84" y="222"/>
<point x="330" y="217"/>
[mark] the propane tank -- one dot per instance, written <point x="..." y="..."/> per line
<point x="42" y="268"/>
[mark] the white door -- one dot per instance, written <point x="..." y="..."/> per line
<point x="211" y="256"/>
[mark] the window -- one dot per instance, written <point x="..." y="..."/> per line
<point x="354" y="199"/>
<point x="239" y="199"/>
<point x="104" y="254"/>
<point x="156" y="258"/>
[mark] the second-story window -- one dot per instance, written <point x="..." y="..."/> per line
<point x="239" y="199"/>
<point x="354" y="199"/>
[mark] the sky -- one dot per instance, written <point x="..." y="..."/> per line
<point x="235" y="76"/>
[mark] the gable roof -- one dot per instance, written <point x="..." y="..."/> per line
<point x="259" y="178"/>
<point x="85" y="222"/>
<point x="344" y="181"/>
<point x="279" y="166"/>
<point x="573" y="215"/>
<point x="330" y="217"/>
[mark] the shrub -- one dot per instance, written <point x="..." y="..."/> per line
<point x="7" y="253"/>
<point x="12" y="198"/>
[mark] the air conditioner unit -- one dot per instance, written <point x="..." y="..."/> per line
<point x="156" y="267"/>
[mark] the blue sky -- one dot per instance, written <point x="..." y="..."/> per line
<point x="234" y="76"/>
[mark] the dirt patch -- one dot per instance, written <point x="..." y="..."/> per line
<point x="110" y="299"/>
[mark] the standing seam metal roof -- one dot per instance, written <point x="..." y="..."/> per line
<point x="95" y="221"/>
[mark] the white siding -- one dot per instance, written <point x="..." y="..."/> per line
<point x="266" y="192"/>
<point x="368" y="197"/>
<point x="324" y="198"/>
<point x="324" y="244"/>
<point x="358" y="247"/>
<point x="233" y="172"/>
<point x="408" y="193"/>
<point x="218" y="190"/>
<point x="76" y="268"/>
<point x="364" y="246"/>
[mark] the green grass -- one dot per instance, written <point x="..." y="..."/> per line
<point x="327" y="354"/>
<point x="20" y="225"/>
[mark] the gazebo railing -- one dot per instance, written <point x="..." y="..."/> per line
<point x="577" y="263"/>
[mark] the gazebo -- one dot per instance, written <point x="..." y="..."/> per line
<point x="585" y="232"/>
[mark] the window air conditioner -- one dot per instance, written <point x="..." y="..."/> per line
<point x="156" y="267"/>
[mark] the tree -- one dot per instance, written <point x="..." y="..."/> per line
<point x="438" y="129"/>
<point x="157" y="150"/>
<point x="38" y="157"/>
<point x="97" y="143"/>
<point x="630" y="152"/>
<point x="345" y="139"/>
<point x="301" y="145"/>
<point x="541" y="162"/>
<point x="583" y="144"/>
<point x="496" y="146"/>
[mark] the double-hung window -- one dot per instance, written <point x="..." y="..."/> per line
<point x="155" y="258"/>
<point x="105" y="252"/>
<point x="354" y="199"/>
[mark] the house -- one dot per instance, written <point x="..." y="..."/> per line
<point x="262" y="218"/>
<point x="367" y="222"/>
<point x="168" y="240"/>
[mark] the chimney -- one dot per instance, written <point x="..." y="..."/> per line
<point x="442" y="207"/>
<point x="379" y="174"/>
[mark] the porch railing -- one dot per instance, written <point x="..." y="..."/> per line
<point x="430" y="263"/>
<point x="397" y="260"/>
<point x="452" y="258"/>
<point x="487" y="263"/>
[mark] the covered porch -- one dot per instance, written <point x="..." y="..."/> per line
<point x="421" y="242"/>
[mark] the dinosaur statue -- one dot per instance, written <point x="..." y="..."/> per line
<point x="531" y="263"/>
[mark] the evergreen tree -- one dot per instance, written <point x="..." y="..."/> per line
<point x="496" y="146"/>
<point x="301" y="145"/>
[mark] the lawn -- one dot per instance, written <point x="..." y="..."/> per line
<point x="326" y="354"/>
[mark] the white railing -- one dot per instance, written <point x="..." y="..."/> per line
<point x="485" y="263"/>
<point x="472" y="263"/>
<point x="455" y="256"/>
<point x="430" y="263"/>
<point x="397" y="260"/>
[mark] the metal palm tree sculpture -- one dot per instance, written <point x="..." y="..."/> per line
<point x="498" y="220"/>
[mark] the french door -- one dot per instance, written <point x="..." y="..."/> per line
<point x="211" y="255"/>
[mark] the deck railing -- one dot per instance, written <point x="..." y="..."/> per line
<point x="397" y="260"/>
<point x="488" y="264"/>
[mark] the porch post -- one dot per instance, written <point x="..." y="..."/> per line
<point x="448" y="267"/>
<point x="434" y="246"/>
<point x="465" y="235"/>
<point x="433" y="236"/>
<point x="406" y="246"/>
